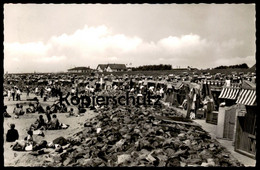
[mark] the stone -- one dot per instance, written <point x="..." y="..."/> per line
<point x="150" y="158"/>
<point x="98" y="130"/>
<point x="67" y="161"/>
<point x="87" y="162"/>
<point x="173" y="162"/>
<point x="211" y="162"/>
<point x="56" y="158"/>
<point x="204" y="164"/>
<point x="170" y="152"/>
<point x="97" y="162"/>
<point x="183" y="164"/>
<point x="123" y="158"/>
<point x="187" y="142"/>
<point x="79" y="155"/>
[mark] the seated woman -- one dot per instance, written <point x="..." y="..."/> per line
<point x="39" y="108"/>
<point x="39" y="124"/>
<point x="16" y="107"/>
<point x="26" y="144"/>
<point x="5" y="112"/>
<point x="18" y="110"/>
<point x="29" y="137"/>
<point x="73" y="112"/>
<point x="31" y="108"/>
<point x="54" y="124"/>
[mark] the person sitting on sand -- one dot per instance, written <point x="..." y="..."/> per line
<point x="5" y="112"/>
<point x="71" y="113"/>
<point x="38" y="124"/>
<point x="18" y="110"/>
<point x="31" y="108"/>
<point x="29" y="138"/>
<point x="16" y="107"/>
<point x="39" y="108"/>
<point x="12" y="134"/>
<point x="26" y="144"/>
<point x="74" y="112"/>
<point x="54" y="124"/>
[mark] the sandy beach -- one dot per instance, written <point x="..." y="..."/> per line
<point x="14" y="158"/>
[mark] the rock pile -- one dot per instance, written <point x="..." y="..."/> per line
<point x="134" y="136"/>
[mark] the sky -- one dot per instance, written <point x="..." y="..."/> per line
<point x="56" y="37"/>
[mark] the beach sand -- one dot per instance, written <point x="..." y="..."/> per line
<point x="15" y="158"/>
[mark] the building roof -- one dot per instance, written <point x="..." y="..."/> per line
<point x="112" y="66"/>
<point x="253" y="67"/>
<point x="117" y="66"/>
<point x="102" y="66"/>
<point x="79" y="68"/>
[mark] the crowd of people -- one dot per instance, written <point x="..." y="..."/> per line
<point x="141" y="86"/>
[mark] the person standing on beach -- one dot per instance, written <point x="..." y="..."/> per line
<point x="18" y="93"/>
<point x="28" y="90"/>
<point x="36" y="90"/>
<point x="13" y="93"/>
<point x="41" y="92"/>
<point x="48" y="113"/>
<point x="9" y="94"/>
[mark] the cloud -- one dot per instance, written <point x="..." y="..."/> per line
<point x="91" y="46"/>
<point x="52" y="59"/>
<point x="18" y="49"/>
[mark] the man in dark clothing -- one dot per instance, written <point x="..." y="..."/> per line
<point x="13" y="93"/>
<point x="39" y="108"/>
<point x="42" y="92"/>
<point x="28" y="90"/>
<point x="12" y="134"/>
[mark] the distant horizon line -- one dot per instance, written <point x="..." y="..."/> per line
<point x="113" y="71"/>
<point x="187" y="67"/>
